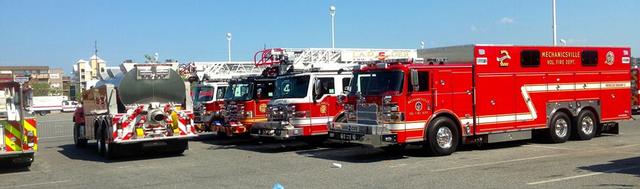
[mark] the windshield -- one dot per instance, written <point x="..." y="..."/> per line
<point x="203" y="94"/>
<point x="377" y="83"/>
<point x="239" y="91"/>
<point x="292" y="87"/>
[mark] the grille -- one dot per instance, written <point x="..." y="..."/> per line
<point x="278" y="113"/>
<point x="233" y="112"/>
<point x="367" y="113"/>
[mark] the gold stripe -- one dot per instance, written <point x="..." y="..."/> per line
<point x="10" y="143"/>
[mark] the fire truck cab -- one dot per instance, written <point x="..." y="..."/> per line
<point x="487" y="94"/>
<point x="208" y="99"/>
<point x="307" y="86"/>
<point x="245" y="103"/>
<point x="19" y="135"/>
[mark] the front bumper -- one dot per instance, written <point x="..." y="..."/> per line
<point x="276" y="129"/>
<point x="373" y="135"/>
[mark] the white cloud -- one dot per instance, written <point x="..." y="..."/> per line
<point x="507" y="20"/>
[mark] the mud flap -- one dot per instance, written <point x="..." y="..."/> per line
<point x="610" y="128"/>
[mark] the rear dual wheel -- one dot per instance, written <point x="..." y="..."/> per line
<point x="106" y="148"/>
<point x="586" y="125"/>
<point x="559" y="128"/>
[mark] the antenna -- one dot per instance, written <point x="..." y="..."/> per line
<point x="95" y="47"/>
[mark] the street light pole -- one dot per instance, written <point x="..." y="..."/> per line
<point x="229" y="46"/>
<point x="554" y="26"/>
<point x="332" y="12"/>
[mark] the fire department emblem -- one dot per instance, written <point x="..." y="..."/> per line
<point x="418" y="106"/>
<point x="502" y="59"/>
<point x="323" y="108"/>
<point x="609" y="59"/>
<point x="263" y="108"/>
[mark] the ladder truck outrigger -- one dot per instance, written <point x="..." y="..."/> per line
<point x="308" y="83"/>
<point x="19" y="139"/>
<point x="210" y="84"/>
<point x="144" y="106"/>
<point x="487" y="94"/>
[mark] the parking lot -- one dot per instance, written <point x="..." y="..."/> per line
<point x="605" y="162"/>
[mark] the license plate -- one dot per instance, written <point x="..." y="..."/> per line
<point x="154" y="143"/>
<point x="347" y="136"/>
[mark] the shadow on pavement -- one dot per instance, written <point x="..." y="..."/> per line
<point x="89" y="153"/>
<point x="630" y="166"/>
<point x="6" y="168"/>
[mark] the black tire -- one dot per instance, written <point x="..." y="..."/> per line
<point x="446" y="128"/>
<point x="110" y="150"/>
<point x="99" y="141"/>
<point x="586" y="125"/>
<point x="80" y="143"/>
<point x="559" y="128"/>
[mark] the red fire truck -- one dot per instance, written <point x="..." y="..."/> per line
<point x="144" y="107"/>
<point x="19" y="135"/>
<point x="307" y="85"/>
<point x="210" y="83"/>
<point x="635" y="89"/>
<point x="487" y="94"/>
<point x="245" y="103"/>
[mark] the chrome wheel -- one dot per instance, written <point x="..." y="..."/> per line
<point x="99" y="142"/>
<point x="561" y="128"/>
<point x="444" y="138"/>
<point x="586" y="125"/>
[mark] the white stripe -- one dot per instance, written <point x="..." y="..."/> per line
<point x="584" y="175"/>
<point x="533" y="114"/>
<point x="403" y="126"/>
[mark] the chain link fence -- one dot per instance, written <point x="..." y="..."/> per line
<point x="57" y="125"/>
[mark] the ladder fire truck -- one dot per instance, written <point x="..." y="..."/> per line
<point x="488" y="94"/>
<point x="212" y="78"/>
<point x="19" y="136"/>
<point x="145" y="106"/>
<point x="307" y="85"/>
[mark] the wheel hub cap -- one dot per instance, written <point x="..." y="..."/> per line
<point x="444" y="137"/>
<point x="561" y="128"/>
<point x="587" y="125"/>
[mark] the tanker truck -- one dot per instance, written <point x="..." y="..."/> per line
<point x="143" y="107"/>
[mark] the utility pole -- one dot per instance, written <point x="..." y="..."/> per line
<point x="554" y="26"/>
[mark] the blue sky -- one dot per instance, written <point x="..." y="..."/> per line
<point x="59" y="32"/>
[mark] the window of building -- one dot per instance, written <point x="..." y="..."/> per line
<point x="589" y="58"/>
<point x="530" y="58"/>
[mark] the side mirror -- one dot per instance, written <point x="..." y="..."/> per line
<point x="347" y="90"/>
<point x="414" y="80"/>
<point x="317" y="87"/>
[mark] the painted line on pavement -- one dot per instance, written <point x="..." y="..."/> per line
<point x="549" y="147"/>
<point x="36" y="184"/>
<point x="496" y="162"/>
<point x="56" y="137"/>
<point x="583" y="175"/>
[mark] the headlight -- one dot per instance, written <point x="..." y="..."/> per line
<point x="390" y="108"/>
<point x="249" y="114"/>
<point x="392" y="117"/>
<point x="386" y="99"/>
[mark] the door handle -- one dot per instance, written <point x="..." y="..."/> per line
<point x="493" y="102"/>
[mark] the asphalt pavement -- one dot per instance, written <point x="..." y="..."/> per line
<point x="611" y="161"/>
